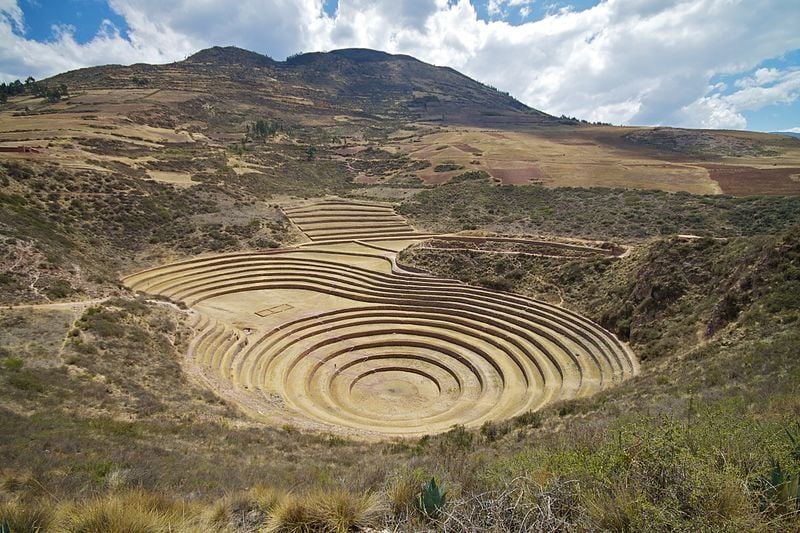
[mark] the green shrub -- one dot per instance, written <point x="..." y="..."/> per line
<point x="470" y="175"/>
<point x="13" y="363"/>
<point x="26" y="381"/>
<point x="447" y="166"/>
<point x="529" y="419"/>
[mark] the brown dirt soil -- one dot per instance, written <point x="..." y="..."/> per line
<point x="518" y="176"/>
<point x="744" y="181"/>
<point x="467" y="148"/>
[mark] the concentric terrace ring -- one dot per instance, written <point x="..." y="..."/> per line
<point x="379" y="351"/>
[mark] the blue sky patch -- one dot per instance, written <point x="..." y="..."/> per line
<point x="85" y="17"/>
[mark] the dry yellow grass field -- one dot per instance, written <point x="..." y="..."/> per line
<point x="589" y="156"/>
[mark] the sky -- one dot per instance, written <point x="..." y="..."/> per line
<point x="732" y="64"/>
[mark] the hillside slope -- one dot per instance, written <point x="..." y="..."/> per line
<point x="363" y="82"/>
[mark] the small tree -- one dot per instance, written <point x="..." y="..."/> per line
<point x="262" y="129"/>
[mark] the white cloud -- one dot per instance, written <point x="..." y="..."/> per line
<point x="712" y="112"/>
<point x="494" y="7"/>
<point x="766" y="87"/>
<point x="277" y="27"/>
<point x="11" y="12"/>
<point x="621" y="61"/>
<point x="21" y="57"/>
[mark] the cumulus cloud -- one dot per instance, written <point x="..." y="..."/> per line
<point x="621" y="61"/>
<point x="276" y="27"/>
<point x="11" y="12"/>
<point x="21" y="57"/>
<point x="766" y="87"/>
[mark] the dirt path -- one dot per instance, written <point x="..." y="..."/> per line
<point x="63" y="306"/>
<point x="501" y="252"/>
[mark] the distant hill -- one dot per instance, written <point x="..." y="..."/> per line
<point x="788" y="133"/>
<point x="423" y="124"/>
<point x="367" y="82"/>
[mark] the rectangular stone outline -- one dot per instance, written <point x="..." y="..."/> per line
<point x="269" y="311"/>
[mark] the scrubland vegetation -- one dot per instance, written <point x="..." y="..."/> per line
<point x="109" y="428"/>
<point x="596" y="213"/>
<point x="105" y="429"/>
<point x="68" y="232"/>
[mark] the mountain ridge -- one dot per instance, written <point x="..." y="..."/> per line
<point x="362" y="80"/>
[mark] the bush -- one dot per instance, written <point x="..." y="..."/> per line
<point x="13" y="363"/>
<point x="471" y="175"/>
<point x="447" y="166"/>
<point x="402" y="493"/>
<point x="339" y="511"/>
<point x="292" y="514"/>
<point x="246" y="510"/>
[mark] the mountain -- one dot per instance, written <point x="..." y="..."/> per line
<point x="440" y="119"/>
<point x="365" y="82"/>
<point x="789" y="133"/>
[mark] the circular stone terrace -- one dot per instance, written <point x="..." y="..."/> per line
<point x="334" y="335"/>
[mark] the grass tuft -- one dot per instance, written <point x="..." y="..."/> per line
<point x="246" y="510"/>
<point x="402" y="493"/>
<point x="292" y="515"/>
<point x="135" y="511"/>
<point x="32" y="517"/>
<point x="339" y="510"/>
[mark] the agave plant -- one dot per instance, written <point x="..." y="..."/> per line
<point x="431" y="499"/>
<point x="794" y="439"/>
<point x="781" y="489"/>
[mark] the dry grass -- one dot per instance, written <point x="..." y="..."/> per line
<point x="402" y="493"/>
<point x="339" y="510"/>
<point x="261" y="508"/>
<point x="31" y="517"/>
<point x="247" y="510"/>
<point x="521" y="504"/>
<point x="134" y="511"/>
<point x="560" y="160"/>
<point x="292" y="515"/>
<point x="336" y="510"/>
<point x="600" y="156"/>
